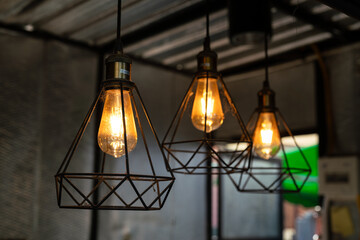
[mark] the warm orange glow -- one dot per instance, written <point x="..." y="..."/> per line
<point x="211" y="108"/>
<point x="111" y="129"/>
<point x="266" y="136"/>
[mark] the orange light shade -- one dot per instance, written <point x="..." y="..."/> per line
<point x="266" y="136"/>
<point x="111" y="130"/>
<point x="207" y="103"/>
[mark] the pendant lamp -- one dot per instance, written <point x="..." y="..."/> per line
<point x="206" y="117"/>
<point x="277" y="167"/>
<point x="132" y="172"/>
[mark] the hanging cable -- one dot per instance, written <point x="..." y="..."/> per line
<point x="266" y="82"/>
<point x="118" y="44"/>
<point x="207" y="17"/>
<point x="207" y="38"/>
<point x="118" y="20"/>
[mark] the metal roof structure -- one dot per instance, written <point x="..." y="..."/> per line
<point x="170" y="33"/>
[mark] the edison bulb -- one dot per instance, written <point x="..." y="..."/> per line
<point x="266" y="136"/>
<point x="207" y="103"/>
<point x="111" y="130"/>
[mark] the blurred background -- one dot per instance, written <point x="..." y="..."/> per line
<point x="51" y="63"/>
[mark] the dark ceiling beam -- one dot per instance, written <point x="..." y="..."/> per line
<point x="44" y="35"/>
<point x="176" y="19"/>
<point x="348" y="7"/>
<point x="40" y="34"/>
<point x="299" y="53"/>
<point x="160" y="65"/>
<point x="305" y="16"/>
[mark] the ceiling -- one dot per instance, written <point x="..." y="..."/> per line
<point x="170" y="32"/>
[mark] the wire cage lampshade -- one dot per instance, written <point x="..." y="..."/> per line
<point x="206" y="109"/>
<point x="281" y="171"/>
<point x="205" y="113"/>
<point x="267" y="127"/>
<point x="132" y="172"/>
<point x="123" y="186"/>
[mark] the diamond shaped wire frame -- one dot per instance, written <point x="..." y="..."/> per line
<point x="294" y="171"/>
<point x="189" y="150"/>
<point x="117" y="188"/>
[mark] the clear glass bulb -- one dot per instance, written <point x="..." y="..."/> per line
<point x="266" y="136"/>
<point x="111" y="129"/>
<point x="213" y="112"/>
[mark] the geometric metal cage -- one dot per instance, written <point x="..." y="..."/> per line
<point x="130" y="182"/>
<point x="267" y="127"/>
<point x="194" y="130"/>
<point x="292" y="170"/>
<point x="189" y="148"/>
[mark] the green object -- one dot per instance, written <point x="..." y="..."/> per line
<point x="308" y="197"/>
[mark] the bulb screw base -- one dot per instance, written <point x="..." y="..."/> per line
<point x="118" y="71"/>
<point x="207" y="61"/>
<point x="266" y="98"/>
<point x="118" y="66"/>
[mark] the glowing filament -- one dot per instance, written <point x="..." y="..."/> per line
<point x="266" y="136"/>
<point x="111" y="130"/>
<point x="207" y="106"/>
